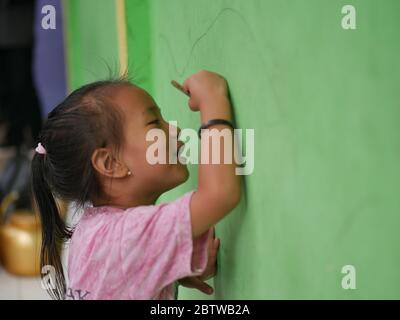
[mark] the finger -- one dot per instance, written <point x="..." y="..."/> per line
<point x="213" y="250"/>
<point x="216" y="244"/>
<point x="193" y="105"/>
<point x="179" y="87"/>
<point x="210" y="241"/>
<point x="185" y="86"/>
<point x="202" y="286"/>
<point x="185" y="83"/>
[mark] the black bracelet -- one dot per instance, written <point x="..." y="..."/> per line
<point x="215" y="121"/>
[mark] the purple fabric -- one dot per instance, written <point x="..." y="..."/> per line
<point x="49" y="60"/>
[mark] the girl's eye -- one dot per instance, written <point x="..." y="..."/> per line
<point x="156" y="121"/>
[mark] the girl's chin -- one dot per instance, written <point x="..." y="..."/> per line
<point x="179" y="178"/>
<point x="183" y="173"/>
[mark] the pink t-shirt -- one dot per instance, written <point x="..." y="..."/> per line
<point x="136" y="253"/>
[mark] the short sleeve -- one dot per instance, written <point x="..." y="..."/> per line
<point x="157" y="247"/>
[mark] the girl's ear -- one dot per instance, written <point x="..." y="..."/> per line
<point x="105" y="163"/>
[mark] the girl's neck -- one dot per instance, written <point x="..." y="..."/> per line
<point x="126" y="202"/>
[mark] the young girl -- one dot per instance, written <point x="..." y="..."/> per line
<point x="92" y="150"/>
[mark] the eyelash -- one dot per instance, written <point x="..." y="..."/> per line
<point x="155" y="122"/>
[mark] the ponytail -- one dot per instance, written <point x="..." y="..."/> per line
<point x="54" y="230"/>
<point x="87" y="119"/>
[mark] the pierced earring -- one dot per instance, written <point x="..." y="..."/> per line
<point x="129" y="173"/>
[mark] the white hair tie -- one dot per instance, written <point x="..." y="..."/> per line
<point x="40" y="149"/>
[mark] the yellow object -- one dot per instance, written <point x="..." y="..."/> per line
<point x="20" y="242"/>
<point x="21" y="239"/>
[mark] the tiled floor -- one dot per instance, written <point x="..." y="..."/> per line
<point x="20" y="288"/>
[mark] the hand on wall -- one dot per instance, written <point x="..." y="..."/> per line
<point x="210" y="271"/>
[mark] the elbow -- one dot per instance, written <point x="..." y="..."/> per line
<point x="229" y="199"/>
<point x="221" y="199"/>
<point x="234" y="198"/>
<point x="232" y="194"/>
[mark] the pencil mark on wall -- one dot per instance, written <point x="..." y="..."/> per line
<point x="224" y="11"/>
<point x="275" y="115"/>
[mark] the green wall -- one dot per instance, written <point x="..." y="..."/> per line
<point x="324" y="103"/>
<point x="91" y="39"/>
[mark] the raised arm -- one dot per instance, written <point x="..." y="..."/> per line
<point x="218" y="190"/>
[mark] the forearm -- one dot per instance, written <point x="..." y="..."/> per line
<point x="219" y="177"/>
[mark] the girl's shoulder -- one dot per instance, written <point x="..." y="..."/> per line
<point x="92" y="211"/>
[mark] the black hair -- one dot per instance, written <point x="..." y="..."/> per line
<point x="84" y="121"/>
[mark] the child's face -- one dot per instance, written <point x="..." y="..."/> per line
<point x="142" y="114"/>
